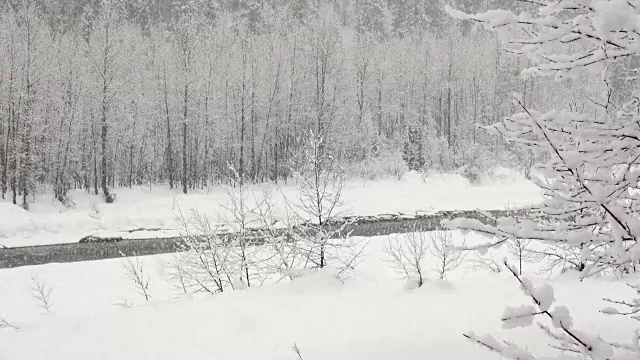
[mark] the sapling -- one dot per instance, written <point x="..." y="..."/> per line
<point x="41" y="291"/>
<point x="448" y="257"/>
<point x="523" y="253"/>
<point x="318" y="210"/>
<point x="406" y="254"/>
<point x="240" y="219"/>
<point x="134" y="271"/>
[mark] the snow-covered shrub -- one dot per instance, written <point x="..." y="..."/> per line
<point x="406" y="255"/>
<point x="204" y="257"/>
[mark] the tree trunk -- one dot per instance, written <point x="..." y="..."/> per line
<point x="184" y="142"/>
<point x="95" y="159"/>
<point x="169" y="151"/>
<point x="103" y="160"/>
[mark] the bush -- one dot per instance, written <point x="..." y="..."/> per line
<point x="388" y="163"/>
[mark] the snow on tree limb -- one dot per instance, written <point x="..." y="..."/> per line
<point x="565" y="338"/>
<point x="566" y="36"/>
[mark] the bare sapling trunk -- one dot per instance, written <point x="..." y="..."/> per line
<point x="320" y="182"/>
<point x="135" y="272"/>
<point x="447" y="254"/>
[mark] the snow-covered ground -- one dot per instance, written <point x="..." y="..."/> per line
<point x="372" y="315"/>
<point x="48" y="222"/>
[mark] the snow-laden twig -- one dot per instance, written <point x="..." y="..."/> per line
<point x="562" y="334"/>
<point x="4" y="323"/>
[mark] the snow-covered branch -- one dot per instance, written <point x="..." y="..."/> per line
<point x="566" y="37"/>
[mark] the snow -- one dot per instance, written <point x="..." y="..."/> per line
<point x="156" y="212"/>
<point x="520" y="316"/>
<point x="544" y="294"/>
<point x="370" y="315"/>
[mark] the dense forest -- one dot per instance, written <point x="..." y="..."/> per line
<point x="110" y="93"/>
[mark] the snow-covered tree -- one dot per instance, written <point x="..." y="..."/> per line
<point x="592" y="171"/>
<point x="371" y="18"/>
<point x="104" y="51"/>
<point x="412" y="17"/>
<point x="590" y="177"/>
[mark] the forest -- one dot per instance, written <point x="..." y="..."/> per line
<point x="321" y="179"/>
<point x="116" y="93"/>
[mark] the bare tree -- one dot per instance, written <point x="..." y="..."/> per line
<point x="135" y="272"/>
<point x="241" y="220"/>
<point x="406" y="255"/>
<point x="205" y="257"/>
<point x="105" y="54"/>
<point x="521" y="250"/>
<point x="448" y="256"/>
<point x="176" y="274"/>
<point x="281" y="238"/>
<point x="320" y="182"/>
<point x="30" y="29"/>
<point x="185" y="34"/>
